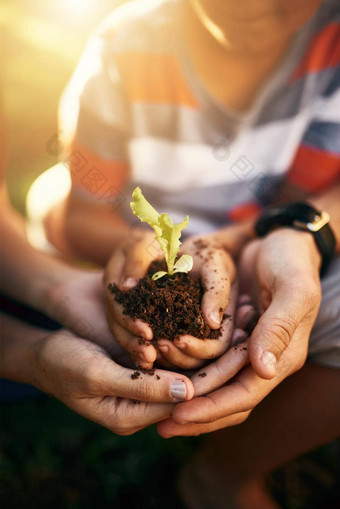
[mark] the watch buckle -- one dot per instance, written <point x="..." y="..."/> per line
<point x="319" y="221"/>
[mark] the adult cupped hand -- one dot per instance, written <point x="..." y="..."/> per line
<point x="84" y="377"/>
<point x="281" y="272"/>
<point x="212" y="264"/>
<point x="77" y="302"/>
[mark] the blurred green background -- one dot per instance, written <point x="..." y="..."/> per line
<point x="49" y="456"/>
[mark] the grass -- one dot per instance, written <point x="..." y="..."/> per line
<point x="51" y="457"/>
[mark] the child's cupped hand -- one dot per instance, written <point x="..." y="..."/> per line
<point x="212" y="264"/>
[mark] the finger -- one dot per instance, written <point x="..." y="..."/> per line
<point x="136" y="327"/>
<point x="216" y="275"/>
<point x="216" y="374"/>
<point x="206" y="348"/>
<point x="139" y="415"/>
<point x="276" y="328"/>
<point x="241" y="395"/>
<point x="114" y="268"/>
<point x="138" y="260"/>
<point x="141" y="351"/>
<point x="244" y="299"/>
<point x="238" y="336"/>
<point x="243" y="315"/>
<point x="246" y="318"/>
<point x="176" y="357"/>
<point x="121" y="416"/>
<point x="161" y="361"/>
<point x="211" y="348"/>
<point x="114" y="274"/>
<point x="169" y="428"/>
<point x="158" y="385"/>
<point x="246" y="267"/>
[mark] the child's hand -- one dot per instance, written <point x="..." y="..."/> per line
<point x="216" y="270"/>
<point x="128" y="263"/>
<point x="212" y="264"/>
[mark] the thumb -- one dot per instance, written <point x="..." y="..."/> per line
<point x="155" y="385"/>
<point x="274" y="331"/>
<point x="138" y="259"/>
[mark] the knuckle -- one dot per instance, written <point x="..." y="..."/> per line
<point x="313" y="292"/>
<point x="299" y="365"/>
<point x="91" y="377"/>
<point x="243" y="417"/>
<point x="281" y="330"/>
<point x="240" y="419"/>
<point x="124" y="432"/>
<point x="251" y="403"/>
<point x="121" y="425"/>
<point x="250" y="400"/>
<point x="144" y="391"/>
<point x="300" y="362"/>
<point x="135" y="265"/>
<point x="196" y="433"/>
<point x="214" y="408"/>
<point x="307" y="289"/>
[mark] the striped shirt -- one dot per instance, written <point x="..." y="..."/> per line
<point x="136" y="113"/>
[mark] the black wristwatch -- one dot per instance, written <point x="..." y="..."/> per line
<point x="301" y="216"/>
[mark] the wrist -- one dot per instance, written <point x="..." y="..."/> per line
<point x="301" y="216"/>
<point x="234" y="237"/>
<point x="19" y="343"/>
<point x="291" y="237"/>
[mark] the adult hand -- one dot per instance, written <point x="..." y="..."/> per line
<point x="77" y="302"/>
<point x="84" y="377"/>
<point x="282" y="274"/>
<point x="212" y="264"/>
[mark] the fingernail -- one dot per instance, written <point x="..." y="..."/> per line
<point x="142" y="356"/>
<point x="215" y="316"/>
<point x="129" y="282"/>
<point x="163" y="348"/>
<point x="244" y="299"/>
<point x="239" y="335"/>
<point x="248" y="315"/>
<point x="181" y="345"/>
<point x="269" y="360"/>
<point x="178" y="390"/>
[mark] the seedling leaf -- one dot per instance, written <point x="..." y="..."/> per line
<point x="167" y="233"/>
<point x="183" y="264"/>
<point x="159" y="274"/>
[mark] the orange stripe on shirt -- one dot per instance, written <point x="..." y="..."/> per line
<point x="323" y="52"/>
<point x="154" y="78"/>
<point x="244" y="211"/>
<point x="314" y="169"/>
<point x="96" y="177"/>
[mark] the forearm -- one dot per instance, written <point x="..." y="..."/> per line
<point x="87" y="230"/>
<point x="18" y="342"/>
<point x="25" y="273"/>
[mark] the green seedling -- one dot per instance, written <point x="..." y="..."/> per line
<point x="167" y="234"/>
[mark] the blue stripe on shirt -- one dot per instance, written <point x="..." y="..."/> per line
<point x="324" y="136"/>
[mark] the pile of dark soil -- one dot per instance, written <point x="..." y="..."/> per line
<point x="171" y="305"/>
